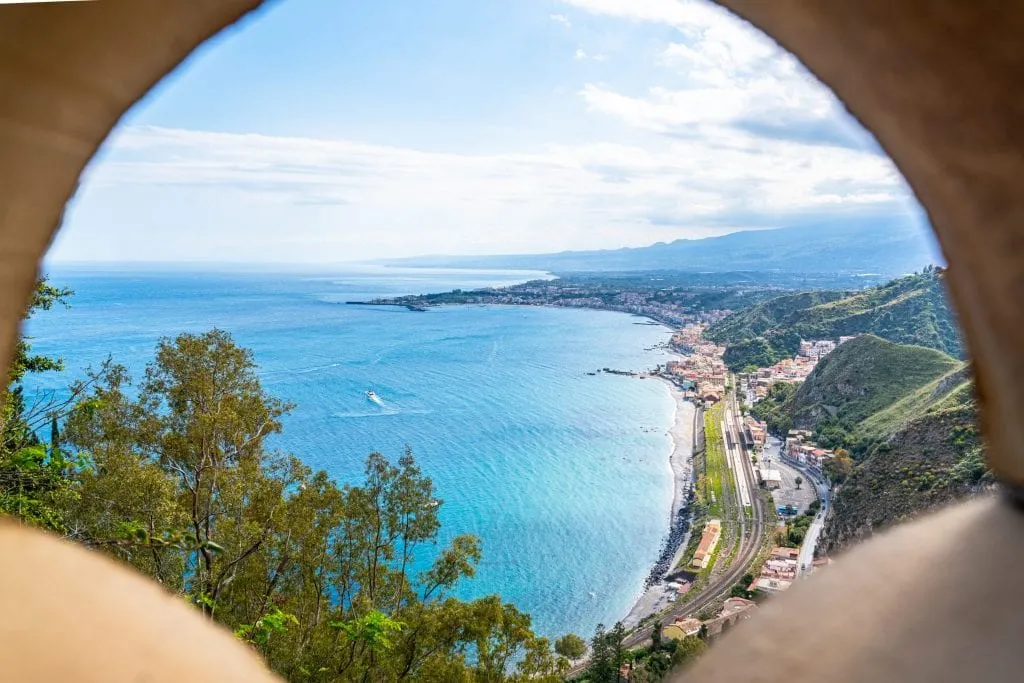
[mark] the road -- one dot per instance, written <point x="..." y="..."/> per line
<point x="824" y="491"/>
<point x="814" y="531"/>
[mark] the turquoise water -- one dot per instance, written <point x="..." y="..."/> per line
<point x="563" y="476"/>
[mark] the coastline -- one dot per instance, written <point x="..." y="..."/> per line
<point x="653" y="598"/>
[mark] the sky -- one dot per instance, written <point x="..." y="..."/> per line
<point x="336" y="130"/>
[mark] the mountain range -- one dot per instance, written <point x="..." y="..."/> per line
<point x="909" y="310"/>
<point x="882" y="247"/>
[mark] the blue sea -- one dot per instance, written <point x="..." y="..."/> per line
<point x="564" y="476"/>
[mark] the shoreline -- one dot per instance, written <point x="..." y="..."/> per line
<point x="652" y="599"/>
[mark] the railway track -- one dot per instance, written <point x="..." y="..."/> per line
<point x="752" y="530"/>
<point x="751" y="524"/>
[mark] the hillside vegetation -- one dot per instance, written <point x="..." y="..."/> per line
<point x="933" y="457"/>
<point x="908" y="417"/>
<point x="910" y="310"/>
<point x="864" y="376"/>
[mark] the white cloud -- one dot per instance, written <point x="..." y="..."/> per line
<point x="680" y="13"/>
<point x="560" y="19"/>
<point x="736" y="136"/>
<point x="580" y="55"/>
<point x="279" y="196"/>
<point x="731" y="75"/>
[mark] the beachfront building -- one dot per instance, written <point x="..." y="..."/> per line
<point x="708" y="542"/>
<point x="680" y="628"/>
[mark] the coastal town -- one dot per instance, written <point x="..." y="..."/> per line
<point x="749" y="505"/>
<point x="784" y="479"/>
<point x="789" y="473"/>
<point x="676" y="300"/>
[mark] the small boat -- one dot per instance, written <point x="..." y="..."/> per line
<point x="372" y="396"/>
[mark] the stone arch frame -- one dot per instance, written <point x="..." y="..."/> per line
<point x="936" y="81"/>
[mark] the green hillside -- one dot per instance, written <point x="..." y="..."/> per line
<point x="905" y="413"/>
<point x="949" y="390"/>
<point x="932" y="457"/>
<point x="864" y="376"/>
<point x="910" y="310"/>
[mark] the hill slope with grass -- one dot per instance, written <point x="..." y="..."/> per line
<point x="926" y="453"/>
<point x="910" y="310"/>
<point x="864" y="376"/>
<point x="907" y="416"/>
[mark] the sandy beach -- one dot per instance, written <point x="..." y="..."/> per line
<point x="655" y="598"/>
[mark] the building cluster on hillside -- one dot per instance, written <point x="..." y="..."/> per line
<point x="816" y="349"/>
<point x="796" y="369"/>
<point x="702" y="367"/>
<point x="779" y="571"/>
<point x="733" y="610"/>
<point x="802" y="450"/>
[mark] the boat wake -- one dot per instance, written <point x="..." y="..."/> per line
<point x="385" y="411"/>
<point x="367" y="413"/>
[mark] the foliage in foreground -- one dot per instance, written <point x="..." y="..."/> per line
<point x="612" y="662"/>
<point x="173" y="477"/>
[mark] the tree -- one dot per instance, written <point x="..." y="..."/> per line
<point x="656" y="635"/>
<point x="602" y="667"/>
<point x="32" y="473"/>
<point x="617" y="638"/>
<point x="839" y="467"/>
<point x="571" y="646"/>
<point x="689" y="648"/>
<point x="176" y="480"/>
<point x="798" y="481"/>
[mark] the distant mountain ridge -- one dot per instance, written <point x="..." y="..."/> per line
<point x="909" y="310"/>
<point x="882" y="247"/>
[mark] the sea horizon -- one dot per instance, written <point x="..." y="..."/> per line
<point x="563" y="475"/>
